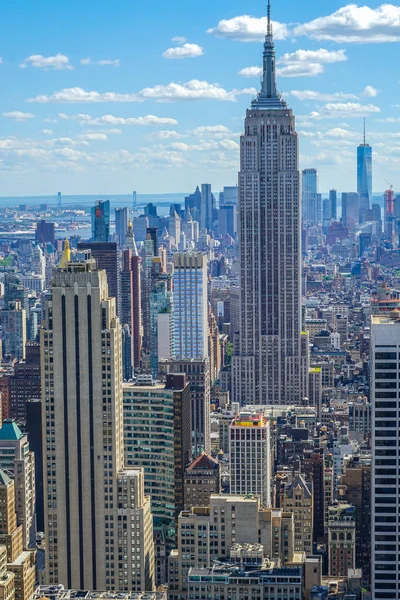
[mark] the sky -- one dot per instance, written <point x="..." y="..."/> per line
<point x="101" y="97"/>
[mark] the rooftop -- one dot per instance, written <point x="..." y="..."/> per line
<point x="57" y="592"/>
<point x="204" y="462"/>
<point x="10" y="431"/>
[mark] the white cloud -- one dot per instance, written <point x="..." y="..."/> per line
<point x="191" y="90"/>
<point x="94" y="137"/>
<point x="245" y="28"/>
<point x="343" y="110"/>
<point x="178" y="39"/>
<point x="213" y="131"/>
<point x="165" y="135"/>
<point x="301" y="69"/>
<point x="251" y="72"/>
<point x="148" y="120"/>
<point x="355" y="24"/>
<point x="57" y="62"/>
<point x="1" y="60"/>
<point x="185" y="51"/>
<point x="103" y="62"/>
<point x="319" y="96"/>
<point x="301" y="63"/>
<point x="370" y="92"/>
<point x="108" y="62"/>
<point x="47" y="131"/>
<point x="18" y="115"/>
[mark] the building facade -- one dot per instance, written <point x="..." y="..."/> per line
<point x="268" y="367"/>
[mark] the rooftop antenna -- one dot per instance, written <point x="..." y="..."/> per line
<point x="364" y="131"/>
<point x="269" y="29"/>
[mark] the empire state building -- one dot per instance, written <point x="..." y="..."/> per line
<point x="270" y="365"/>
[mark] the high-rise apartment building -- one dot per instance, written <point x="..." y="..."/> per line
<point x="92" y="504"/>
<point x="190" y="305"/>
<point x="250" y="456"/>
<point x="100" y="215"/>
<point x="385" y="509"/>
<point x="202" y="479"/>
<point x="364" y="177"/>
<point x="297" y="498"/>
<point x="122" y="220"/>
<point x="310" y="196"/>
<point x="268" y="367"/>
<point x="17" y="459"/>
<point x="342" y="540"/>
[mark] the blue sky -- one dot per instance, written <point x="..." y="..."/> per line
<point x="106" y="97"/>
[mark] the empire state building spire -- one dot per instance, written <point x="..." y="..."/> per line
<point x="269" y="96"/>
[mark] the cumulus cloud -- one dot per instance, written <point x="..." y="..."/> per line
<point x="179" y="39"/>
<point x="191" y="90"/>
<point x="245" y="28"/>
<point x="167" y="134"/>
<point x="94" y="137"/>
<point x="355" y="24"/>
<point x="148" y="120"/>
<point x="216" y="131"/>
<point x="103" y="62"/>
<point x="344" y="110"/>
<point x="57" y="62"/>
<point x="47" y="131"/>
<point x="370" y="92"/>
<point x="185" y="51"/>
<point x="319" y="96"/>
<point x="302" y="63"/>
<point x="18" y="115"/>
<point x="1" y="60"/>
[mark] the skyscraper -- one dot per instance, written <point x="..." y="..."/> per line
<point x="206" y="212"/>
<point x="385" y="509"/>
<point x="100" y="215"/>
<point x="190" y="305"/>
<point x="91" y="502"/>
<point x="122" y="220"/>
<point x="268" y="366"/>
<point x="333" y="203"/>
<point x="310" y="196"/>
<point x="108" y="257"/>
<point x="364" y="177"/>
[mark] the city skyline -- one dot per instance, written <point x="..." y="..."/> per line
<point x="129" y="109"/>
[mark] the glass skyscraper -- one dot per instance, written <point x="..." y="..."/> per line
<point x="100" y="214"/>
<point x="364" y="177"/>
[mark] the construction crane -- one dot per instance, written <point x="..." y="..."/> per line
<point x="390" y="184"/>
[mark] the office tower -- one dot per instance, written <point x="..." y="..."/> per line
<point x="342" y="540"/>
<point x="202" y="479"/>
<point x="127" y="320"/>
<point x="161" y="315"/>
<point x="20" y="561"/>
<point x="92" y="503"/>
<point x="25" y="382"/>
<point x="231" y="194"/>
<point x="193" y="203"/>
<point x="13" y="330"/>
<point x="365" y="242"/>
<point x="174" y="227"/>
<point x="214" y="348"/>
<point x="268" y="367"/>
<point x="250" y="456"/>
<point x="297" y="498"/>
<point x="136" y="297"/>
<point x="326" y="213"/>
<point x="34" y="431"/>
<point x="309" y="198"/>
<point x="157" y="438"/>
<point x="134" y="202"/>
<point x="385" y="511"/>
<point x="18" y="461"/>
<point x="350" y="209"/>
<point x="122" y="220"/>
<point x="333" y="203"/>
<point x="198" y="376"/>
<point x="38" y="262"/>
<point x="207" y="534"/>
<point x="45" y="233"/>
<point x="14" y="290"/>
<point x="207" y="206"/>
<point x="100" y="217"/>
<point x="152" y="233"/>
<point x="108" y="257"/>
<point x="364" y="177"/>
<point x="389" y="213"/>
<point x="140" y="227"/>
<point x="190" y="305"/>
<point x="227" y="220"/>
